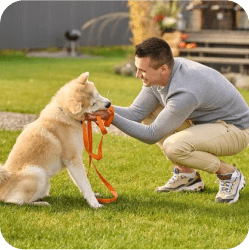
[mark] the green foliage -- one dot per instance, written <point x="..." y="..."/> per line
<point x="166" y="8"/>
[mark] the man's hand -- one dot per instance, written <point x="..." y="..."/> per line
<point x="104" y="114"/>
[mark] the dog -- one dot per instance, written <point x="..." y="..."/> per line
<point x="51" y="143"/>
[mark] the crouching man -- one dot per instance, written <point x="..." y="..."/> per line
<point x="192" y="112"/>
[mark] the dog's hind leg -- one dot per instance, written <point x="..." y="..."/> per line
<point x="31" y="185"/>
<point x="43" y="185"/>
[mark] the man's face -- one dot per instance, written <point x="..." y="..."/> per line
<point x="149" y="75"/>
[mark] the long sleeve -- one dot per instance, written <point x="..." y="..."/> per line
<point x="142" y="106"/>
<point x="177" y="110"/>
<point x="194" y="92"/>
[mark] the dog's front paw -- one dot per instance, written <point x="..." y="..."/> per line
<point x="93" y="202"/>
<point x="96" y="206"/>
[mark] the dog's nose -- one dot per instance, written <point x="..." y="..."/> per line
<point x="108" y="105"/>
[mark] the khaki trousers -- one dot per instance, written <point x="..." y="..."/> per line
<point x="197" y="146"/>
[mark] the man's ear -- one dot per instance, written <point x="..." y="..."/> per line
<point x="164" y="69"/>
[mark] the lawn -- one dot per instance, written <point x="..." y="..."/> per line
<point x="37" y="80"/>
<point x="140" y="218"/>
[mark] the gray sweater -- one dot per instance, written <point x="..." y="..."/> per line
<point x="195" y="92"/>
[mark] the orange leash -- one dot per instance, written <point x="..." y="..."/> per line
<point x="87" y="138"/>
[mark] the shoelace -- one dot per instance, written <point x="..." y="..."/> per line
<point x="175" y="177"/>
<point x="226" y="185"/>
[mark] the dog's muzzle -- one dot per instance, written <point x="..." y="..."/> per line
<point x="108" y="105"/>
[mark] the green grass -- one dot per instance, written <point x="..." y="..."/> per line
<point x="38" y="79"/>
<point x="140" y="218"/>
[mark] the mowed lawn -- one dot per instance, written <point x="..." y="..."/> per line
<point x="140" y="218"/>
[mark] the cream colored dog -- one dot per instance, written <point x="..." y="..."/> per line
<point x="49" y="144"/>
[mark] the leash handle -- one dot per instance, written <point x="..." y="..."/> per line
<point x="109" y="186"/>
<point x="87" y="138"/>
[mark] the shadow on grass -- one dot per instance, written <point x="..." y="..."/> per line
<point x="147" y="202"/>
<point x="176" y="203"/>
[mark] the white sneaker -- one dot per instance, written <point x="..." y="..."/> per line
<point x="183" y="182"/>
<point x="230" y="186"/>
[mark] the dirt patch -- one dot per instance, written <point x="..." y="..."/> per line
<point x="17" y="121"/>
<point x="60" y="54"/>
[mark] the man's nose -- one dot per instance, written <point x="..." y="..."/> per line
<point x="138" y="74"/>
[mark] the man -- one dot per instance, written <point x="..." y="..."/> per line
<point x="192" y="112"/>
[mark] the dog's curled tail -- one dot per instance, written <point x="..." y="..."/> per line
<point x="4" y="174"/>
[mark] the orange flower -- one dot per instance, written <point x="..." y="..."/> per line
<point x="158" y="18"/>
<point x="191" y="46"/>
<point x="184" y="36"/>
<point x="182" y="45"/>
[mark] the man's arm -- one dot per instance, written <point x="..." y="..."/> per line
<point x="143" y="105"/>
<point x="177" y="110"/>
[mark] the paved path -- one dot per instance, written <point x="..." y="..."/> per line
<point x="17" y="121"/>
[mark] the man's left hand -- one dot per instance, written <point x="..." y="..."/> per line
<point x="104" y="114"/>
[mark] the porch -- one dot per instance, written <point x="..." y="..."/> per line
<point x="224" y="50"/>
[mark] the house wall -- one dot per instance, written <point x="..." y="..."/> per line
<point x="41" y="24"/>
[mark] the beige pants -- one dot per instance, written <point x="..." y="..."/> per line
<point x="197" y="146"/>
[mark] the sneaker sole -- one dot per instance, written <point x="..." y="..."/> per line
<point x="199" y="186"/>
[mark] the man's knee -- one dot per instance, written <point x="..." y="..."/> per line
<point x="176" y="150"/>
<point x="170" y="149"/>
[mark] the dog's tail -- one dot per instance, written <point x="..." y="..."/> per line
<point x="4" y="174"/>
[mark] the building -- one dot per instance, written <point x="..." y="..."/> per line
<point x="221" y="31"/>
<point x="42" y="24"/>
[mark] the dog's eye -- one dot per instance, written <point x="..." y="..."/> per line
<point x="93" y="104"/>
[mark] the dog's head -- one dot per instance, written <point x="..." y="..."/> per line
<point x="80" y="97"/>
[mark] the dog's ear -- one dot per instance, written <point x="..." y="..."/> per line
<point x="83" y="78"/>
<point x="75" y="107"/>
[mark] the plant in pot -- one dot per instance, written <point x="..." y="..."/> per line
<point x="165" y="14"/>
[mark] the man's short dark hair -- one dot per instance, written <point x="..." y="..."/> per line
<point x="158" y="50"/>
